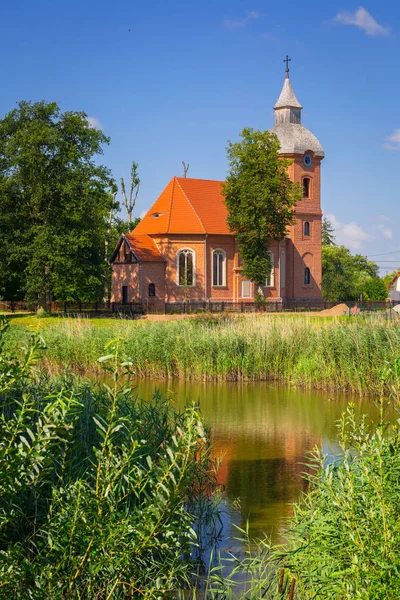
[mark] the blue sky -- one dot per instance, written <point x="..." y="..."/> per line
<point x="174" y="80"/>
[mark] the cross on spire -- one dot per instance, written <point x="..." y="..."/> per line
<point x="287" y="60"/>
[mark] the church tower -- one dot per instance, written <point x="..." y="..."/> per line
<point x="300" y="253"/>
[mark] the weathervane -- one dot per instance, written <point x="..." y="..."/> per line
<point x="287" y="60"/>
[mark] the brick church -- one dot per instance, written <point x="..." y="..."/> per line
<point x="183" y="250"/>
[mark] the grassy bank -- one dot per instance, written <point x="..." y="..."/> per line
<point x="341" y="354"/>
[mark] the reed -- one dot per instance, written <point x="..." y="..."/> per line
<point x="342" y="354"/>
<point x="102" y="495"/>
<point x="343" y="540"/>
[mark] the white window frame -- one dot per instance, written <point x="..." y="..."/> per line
<point x="186" y="251"/>
<point x="283" y="269"/>
<point x="216" y="252"/>
<point x="241" y="288"/>
<point x="271" y="276"/>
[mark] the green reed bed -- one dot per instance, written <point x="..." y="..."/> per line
<point x="338" y="355"/>
<point x="102" y="495"/>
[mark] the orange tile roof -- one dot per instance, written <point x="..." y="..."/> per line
<point x="187" y="206"/>
<point x="145" y="248"/>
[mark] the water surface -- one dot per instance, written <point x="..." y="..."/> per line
<point x="263" y="432"/>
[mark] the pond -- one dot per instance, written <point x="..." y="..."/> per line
<point x="263" y="432"/>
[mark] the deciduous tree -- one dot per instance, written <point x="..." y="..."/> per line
<point x="260" y="198"/>
<point x="54" y="201"/>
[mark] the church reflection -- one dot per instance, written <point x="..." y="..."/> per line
<point x="263" y="432"/>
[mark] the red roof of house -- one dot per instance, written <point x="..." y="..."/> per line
<point x="144" y="248"/>
<point x="187" y="206"/>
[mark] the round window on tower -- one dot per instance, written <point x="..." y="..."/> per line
<point x="307" y="160"/>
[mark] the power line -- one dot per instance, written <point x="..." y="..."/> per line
<point x="384" y="253"/>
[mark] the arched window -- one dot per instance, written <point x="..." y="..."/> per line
<point x="219" y="267"/>
<point x="152" y="290"/>
<point x="270" y="282"/>
<point x="186" y="267"/>
<point x="283" y="269"/>
<point x="306" y="187"/>
<point x="307" y="276"/>
<point x="306" y="228"/>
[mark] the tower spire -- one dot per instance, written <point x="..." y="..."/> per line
<point x="287" y="108"/>
<point x="287" y="60"/>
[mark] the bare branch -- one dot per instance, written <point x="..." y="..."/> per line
<point x="185" y="168"/>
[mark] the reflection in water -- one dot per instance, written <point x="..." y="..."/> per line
<point x="263" y="432"/>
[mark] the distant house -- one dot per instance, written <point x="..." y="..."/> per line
<point x="183" y="250"/>
<point x="394" y="290"/>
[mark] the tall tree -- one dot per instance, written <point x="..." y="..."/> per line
<point x="130" y="201"/>
<point x="345" y="277"/>
<point x="328" y="233"/>
<point x="260" y="198"/>
<point x="54" y="200"/>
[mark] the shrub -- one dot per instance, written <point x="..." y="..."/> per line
<point x="99" y="492"/>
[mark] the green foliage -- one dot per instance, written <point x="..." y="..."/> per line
<point x="388" y="278"/>
<point x="375" y="289"/>
<point x="54" y="201"/>
<point x="343" y="540"/>
<point x="345" y="277"/>
<point x="328" y="237"/>
<point x="98" y="489"/>
<point x="345" y="533"/>
<point x="342" y="354"/>
<point x="260" y="198"/>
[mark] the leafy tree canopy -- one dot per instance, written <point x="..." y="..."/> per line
<point x="54" y="201"/>
<point x="345" y="277"/>
<point x="388" y="278"/>
<point x="260" y="198"/>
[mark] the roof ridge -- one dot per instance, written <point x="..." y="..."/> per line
<point x="199" y="179"/>
<point x="193" y="208"/>
<point x="170" y="204"/>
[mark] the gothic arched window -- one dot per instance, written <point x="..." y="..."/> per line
<point x="307" y="276"/>
<point x="283" y="269"/>
<point x="306" y="187"/>
<point x="306" y="228"/>
<point x="185" y="267"/>
<point x="270" y="281"/>
<point x="219" y="267"/>
<point x="152" y="290"/>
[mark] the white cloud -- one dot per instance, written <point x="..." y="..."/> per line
<point x="143" y="213"/>
<point x="240" y="23"/>
<point x="385" y="231"/>
<point x="362" y="19"/>
<point x="393" y="141"/>
<point x="350" y="234"/>
<point x="95" y="123"/>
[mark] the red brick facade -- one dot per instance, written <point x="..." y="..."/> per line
<point x="171" y="251"/>
<point x="301" y="249"/>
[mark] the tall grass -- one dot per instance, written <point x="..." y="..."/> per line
<point x="338" y="355"/>
<point x="343" y="540"/>
<point x="101" y="496"/>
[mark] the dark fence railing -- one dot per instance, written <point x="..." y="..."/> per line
<point x="157" y="306"/>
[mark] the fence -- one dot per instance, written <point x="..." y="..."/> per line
<point x="160" y="307"/>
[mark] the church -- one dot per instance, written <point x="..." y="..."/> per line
<point x="182" y="249"/>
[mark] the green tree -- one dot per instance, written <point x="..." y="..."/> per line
<point x="54" y="203"/>
<point x="328" y="237"/>
<point x="388" y="279"/>
<point x="260" y="198"/>
<point x="375" y="289"/>
<point x="345" y="277"/>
